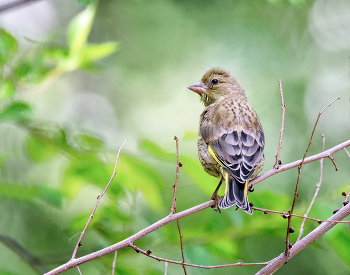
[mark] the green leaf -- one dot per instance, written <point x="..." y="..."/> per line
<point x="78" y="32"/>
<point x="195" y="171"/>
<point x="40" y="149"/>
<point x="8" y="46"/>
<point x="50" y="195"/>
<point x="6" y="89"/>
<point x="88" y="142"/>
<point x="157" y="151"/>
<point x="94" y="52"/>
<point x="17" y="111"/>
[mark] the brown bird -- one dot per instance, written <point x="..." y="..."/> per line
<point x="230" y="138"/>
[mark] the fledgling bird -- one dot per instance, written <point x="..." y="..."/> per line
<point x="230" y="138"/>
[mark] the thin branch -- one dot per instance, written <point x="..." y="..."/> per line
<point x="173" y="207"/>
<point x="170" y="218"/>
<point x="285" y="215"/>
<point x="280" y="260"/>
<point x="332" y="159"/>
<point x="79" y="270"/>
<point x="299" y="173"/>
<point x="97" y="202"/>
<point x="298" y="162"/>
<point x="14" y="4"/>
<point x="347" y="152"/>
<point x="166" y="268"/>
<point x="239" y="262"/>
<point x="278" y="162"/>
<point x="318" y="185"/>
<point x="114" y="262"/>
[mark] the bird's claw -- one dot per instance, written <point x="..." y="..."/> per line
<point x="217" y="199"/>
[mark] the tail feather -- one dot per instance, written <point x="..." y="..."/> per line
<point x="236" y="194"/>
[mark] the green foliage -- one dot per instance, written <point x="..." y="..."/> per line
<point x="16" y="112"/>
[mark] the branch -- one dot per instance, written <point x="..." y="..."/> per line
<point x="279" y="261"/>
<point x="278" y="162"/>
<point x="318" y="186"/>
<point x="288" y="166"/>
<point x="299" y="174"/>
<point x="147" y="253"/>
<point x="14" y="4"/>
<point x="97" y="202"/>
<point x="173" y="217"/>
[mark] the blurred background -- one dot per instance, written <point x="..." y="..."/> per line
<point x="78" y="79"/>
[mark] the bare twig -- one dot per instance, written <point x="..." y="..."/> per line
<point x="286" y="215"/>
<point x="173" y="207"/>
<point x="97" y="202"/>
<point x="298" y="162"/>
<point x="166" y="268"/>
<point x="170" y="218"/>
<point x="347" y="152"/>
<point x="278" y="162"/>
<point x="318" y="185"/>
<point x="114" y="262"/>
<point x="280" y="260"/>
<point x="332" y="159"/>
<point x="299" y="173"/>
<point x="239" y="262"/>
<point x="79" y="270"/>
<point x="14" y="4"/>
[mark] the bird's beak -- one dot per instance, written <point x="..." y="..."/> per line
<point x="198" y="87"/>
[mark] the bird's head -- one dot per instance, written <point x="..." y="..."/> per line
<point x="215" y="84"/>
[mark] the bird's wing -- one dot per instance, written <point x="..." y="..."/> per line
<point x="238" y="150"/>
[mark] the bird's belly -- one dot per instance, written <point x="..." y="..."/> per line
<point x="208" y="162"/>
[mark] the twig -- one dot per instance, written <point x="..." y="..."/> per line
<point x="239" y="262"/>
<point x="332" y="159"/>
<point x="14" y="4"/>
<point x="79" y="270"/>
<point x="280" y="260"/>
<point x="299" y="173"/>
<point x="318" y="185"/>
<point x="347" y="152"/>
<point x="114" y="262"/>
<point x="346" y="198"/>
<point x="170" y="218"/>
<point x="97" y="202"/>
<point x="278" y="162"/>
<point x="286" y="214"/>
<point x="173" y="207"/>
<point x="166" y="268"/>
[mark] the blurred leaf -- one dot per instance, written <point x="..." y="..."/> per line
<point x="8" y="46"/>
<point x="88" y="142"/>
<point x="78" y="32"/>
<point x="17" y="111"/>
<point x="50" y="195"/>
<point x="157" y="151"/>
<point x="40" y="149"/>
<point x="6" y="89"/>
<point x="94" y="52"/>
<point x="340" y="241"/>
<point x="17" y="192"/>
<point x="85" y="168"/>
<point x="138" y="175"/>
<point x="195" y="171"/>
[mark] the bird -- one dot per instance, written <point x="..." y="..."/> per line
<point x="230" y="138"/>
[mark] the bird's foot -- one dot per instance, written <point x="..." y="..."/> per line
<point x="215" y="197"/>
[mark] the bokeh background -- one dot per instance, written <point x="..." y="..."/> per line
<point x="68" y="104"/>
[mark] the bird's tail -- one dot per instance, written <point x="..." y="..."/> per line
<point x="236" y="194"/>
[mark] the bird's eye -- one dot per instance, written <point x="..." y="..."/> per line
<point x="215" y="81"/>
